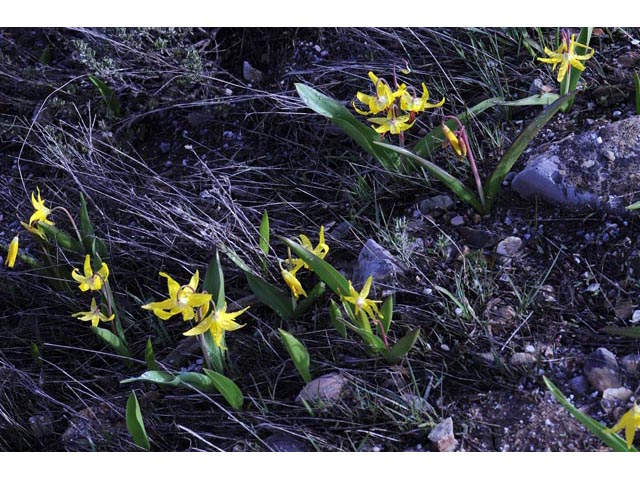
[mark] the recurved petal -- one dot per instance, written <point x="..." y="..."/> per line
<point x="198" y="299"/>
<point x="195" y="279"/>
<point x="364" y="293"/>
<point x="199" y="329"/>
<point x="172" y="285"/>
<point x="88" y="271"/>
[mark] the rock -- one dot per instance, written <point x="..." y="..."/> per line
<point x="41" y="425"/>
<point x="595" y="169"/>
<point x="438" y="203"/>
<point x="614" y="397"/>
<point x="488" y="359"/>
<point x="457" y="221"/>
<point x="630" y="363"/>
<point x="523" y="359"/>
<point x="442" y="436"/>
<point x="624" y="309"/>
<point x="635" y="316"/>
<point x="327" y="388"/>
<point x="282" y="442"/>
<point x="579" y="385"/>
<point x="509" y="247"/>
<point x="476" y="238"/>
<point x="601" y="369"/>
<point x="377" y="262"/>
<point x="251" y="74"/>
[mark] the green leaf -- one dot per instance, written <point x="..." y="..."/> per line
<point x="215" y="354"/>
<point x="309" y="301"/>
<point x="329" y="275"/>
<point x="363" y="134"/>
<point x="631" y="332"/>
<point x="135" y="423"/>
<point x="150" y="357"/>
<point x="112" y="340"/>
<point x="337" y="320"/>
<point x="455" y="185"/>
<point x="584" y="37"/>
<point x="373" y="341"/>
<point x="197" y="380"/>
<point x="610" y="439"/>
<point x="402" y="347"/>
<point x="86" y="229"/>
<point x="214" y="280"/>
<point x="270" y="296"/>
<point x="298" y="352"/>
<point x="264" y="233"/>
<point x="155" y="376"/>
<point x="61" y="238"/>
<point x="543" y="99"/>
<point x="634" y="206"/>
<point x="386" y="312"/>
<point x="493" y="185"/>
<point x="110" y="98"/>
<point x="636" y="83"/>
<point x="227" y="388"/>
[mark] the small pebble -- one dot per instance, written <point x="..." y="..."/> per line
<point x="442" y="436"/>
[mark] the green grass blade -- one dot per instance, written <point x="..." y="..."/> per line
<point x="329" y="275"/>
<point x="214" y="280"/>
<point x="264" y="233"/>
<point x="636" y="83"/>
<point x="110" y="98"/>
<point x="337" y="320"/>
<point x="402" y="347"/>
<point x="493" y="185"/>
<point x="630" y="332"/>
<point x="227" y="388"/>
<point x="298" y="353"/>
<point x="270" y="296"/>
<point x="455" y="185"/>
<point x="135" y="423"/>
<point x="150" y="357"/>
<point x="610" y="439"/>
<point x="86" y="228"/>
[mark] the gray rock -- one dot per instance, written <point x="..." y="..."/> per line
<point x="433" y="204"/>
<point x="282" y="442"/>
<point x="476" y="238"/>
<point x="509" y="247"/>
<point x="442" y="436"/>
<point x="327" y="388"/>
<point x="614" y="397"/>
<point x="631" y="363"/>
<point x="601" y="369"/>
<point x="579" y="385"/>
<point x="251" y="74"/>
<point x="523" y="359"/>
<point x="595" y="169"/>
<point x="377" y="262"/>
<point x="457" y="221"/>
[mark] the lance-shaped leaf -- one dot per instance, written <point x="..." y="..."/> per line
<point x="86" y="228"/>
<point x="154" y="376"/>
<point x="309" y="301"/>
<point x="337" y="320"/>
<point x="386" y="313"/>
<point x="214" y="280"/>
<point x="149" y="356"/>
<point x="270" y="296"/>
<point x="63" y="239"/>
<point x="298" y="353"/>
<point x="227" y="388"/>
<point x="112" y="340"/>
<point x="135" y="423"/>
<point x="402" y="347"/>
<point x="264" y="233"/>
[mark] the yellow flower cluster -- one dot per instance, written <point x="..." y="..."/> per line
<point x="295" y="264"/>
<point x="399" y="107"/>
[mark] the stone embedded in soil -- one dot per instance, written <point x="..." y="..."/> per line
<point x="523" y="359"/>
<point x="282" y="442"/>
<point x="613" y="397"/>
<point x="579" y="385"/>
<point x="601" y="369"/>
<point x="597" y="169"/>
<point x="477" y="238"/>
<point x="327" y="388"/>
<point x="377" y="262"/>
<point x="457" y="221"/>
<point x="442" y="436"/>
<point x="509" y="247"/>
<point x="631" y="363"/>
<point x="437" y="204"/>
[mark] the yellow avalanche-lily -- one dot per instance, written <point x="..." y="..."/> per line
<point x="457" y="144"/>
<point x="182" y="299"/>
<point x="630" y="421"/>
<point x="94" y="315"/>
<point x="360" y="300"/>
<point x="415" y="104"/>
<point x="91" y="280"/>
<point x="379" y="102"/>
<point x="294" y="284"/>
<point x="566" y="56"/>
<point x="319" y="250"/>
<point x="392" y="123"/>
<point x="12" y="252"/>
<point x="217" y="322"/>
<point x="40" y="214"/>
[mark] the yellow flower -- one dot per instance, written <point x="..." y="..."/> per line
<point x="293" y="283"/>
<point x="90" y="280"/>
<point x="12" y="252"/>
<point x="392" y="124"/>
<point x="217" y="323"/>
<point x="412" y="103"/>
<point x="41" y="211"/>
<point x="94" y="315"/>
<point x="458" y="145"/>
<point x="360" y="300"/>
<point x="629" y="421"/>
<point x="383" y="99"/>
<point x="182" y="299"/>
<point x="319" y="250"/>
<point x="566" y="56"/>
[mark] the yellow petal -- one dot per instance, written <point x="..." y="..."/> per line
<point x="12" y="252"/>
<point x="172" y="285"/>
<point x="88" y="271"/>
<point x="199" y="329"/>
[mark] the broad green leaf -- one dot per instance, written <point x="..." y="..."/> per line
<point x="227" y="388"/>
<point x="270" y="296"/>
<point x="493" y="185"/>
<point x="402" y="347"/>
<point x="610" y="439"/>
<point x="197" y="380"/>
<point x="264" y="233"/>
<point x="298" y="352"/>
<point x="329" y="275"/>
<point x="112" y="340"/>
<point x="215" y="354"/>
<point x="543" y="99"/>
<point x="455" y="185"/>
<point x="86" y="229"/>
<point x="337" y="320"/>
<point x="135" y="423"/>
<point x="386" y="312"/>
<point x="110" y="98"/>
<point x="631" y="332"/>
<point x="310" y="300"/>
<point x="155" y="376"/>
<point x="374" y="342"/>
<point x="150" y="357"/>
<point x="61" y="238"/>
<point x="214" y="280"/>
